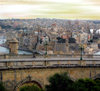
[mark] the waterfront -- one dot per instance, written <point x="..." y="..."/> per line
<point x="4" y="50"/>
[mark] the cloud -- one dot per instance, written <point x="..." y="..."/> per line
<point x="70" y="9"/>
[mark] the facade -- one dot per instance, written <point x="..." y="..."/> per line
<point x="60" y="48"/>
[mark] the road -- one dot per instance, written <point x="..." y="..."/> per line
<point x="50" y="59"/>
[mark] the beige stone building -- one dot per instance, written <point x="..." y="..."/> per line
<point x="13" y="46"/>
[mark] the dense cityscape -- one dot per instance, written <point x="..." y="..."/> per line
<point x="49" y="55"/>
<point x="59" y="35"/>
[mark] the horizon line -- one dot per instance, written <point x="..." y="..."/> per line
<point x="47" y="18"/>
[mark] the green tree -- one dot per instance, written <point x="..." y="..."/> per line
<point x="2" y="88"/>
<point x="82" y="85"/>
<point x="97" y="86"/>
<point x="60" y="82"/>
<point x="30" y="88"/>
<point x="87" y="85"/>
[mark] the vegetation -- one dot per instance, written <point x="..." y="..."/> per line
<point x="30" y="88"/>
<point x="62" y="82"/>
<point x="2" y="88"/>
<point x="87" y="85"/>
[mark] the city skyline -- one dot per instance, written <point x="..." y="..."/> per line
<point x="62" y="9"/>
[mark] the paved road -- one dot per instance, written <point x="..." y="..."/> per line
<point x="49" y="62"/>
<point x="50" y="59"/>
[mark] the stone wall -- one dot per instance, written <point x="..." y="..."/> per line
<point x="13" y="78"/>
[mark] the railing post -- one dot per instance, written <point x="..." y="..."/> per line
<point x="1" y="77"/>
<point x="45" y="63"/>
<point x="6" y="64"/>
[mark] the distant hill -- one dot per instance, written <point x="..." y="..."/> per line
<point x="95" y="21"/>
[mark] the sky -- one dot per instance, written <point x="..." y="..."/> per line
<point x="60" y="9"/>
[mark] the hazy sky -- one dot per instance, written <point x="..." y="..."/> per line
<point x="67" y="9"/>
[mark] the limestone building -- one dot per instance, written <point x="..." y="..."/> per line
<point x="13" y="46"/>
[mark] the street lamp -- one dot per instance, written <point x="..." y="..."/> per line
<point x="46" y="43"/>
<point x="46" y="47"/>
<point x="82" y="49"/>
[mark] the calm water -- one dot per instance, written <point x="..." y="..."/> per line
<point x="4" y="50"/>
